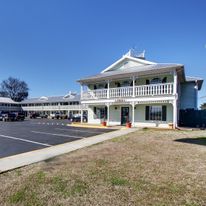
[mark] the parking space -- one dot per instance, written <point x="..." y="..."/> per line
<point x="29" y="135"/>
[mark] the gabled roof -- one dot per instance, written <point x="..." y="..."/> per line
<point x="7" y="100"/>
<point x="54" y="99"/>
<point x="197" y="80"/>
<point x="137" y="71"/>
<point x="130" y="55"/>
<point x="138" y="67"/>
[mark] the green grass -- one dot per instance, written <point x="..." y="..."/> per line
<point x="64" y="187"/>
<point x="18" y="196"/>
<point x="40" y="176"/>
<point x="79" y="187"/>
<point x="120" y="139"/>
<point x="118" y="181"/>
<point x="25" y="194"/>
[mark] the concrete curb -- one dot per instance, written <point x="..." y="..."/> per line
<point x="88" y="126"/>
<point x="20" y="160"/>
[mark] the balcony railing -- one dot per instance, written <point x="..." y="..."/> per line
<point x="53" y="107"/>
<point x="136" y="91"/>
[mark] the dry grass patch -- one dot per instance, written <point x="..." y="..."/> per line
<point x="148" y="167"/>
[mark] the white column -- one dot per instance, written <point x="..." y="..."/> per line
<point x="81" y="90"/>
<point x="81" y="115"/>
<point x="174" y="113"/>
<point x="175" y="83"/>
<point x="133" y="113"/>
<point x="108" y="114"/>
<point x="108" y="86"/>
<point x="175" y="101"/>
<point x="133" y="81"/>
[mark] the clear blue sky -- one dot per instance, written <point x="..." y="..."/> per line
<point x="52" y="43"/>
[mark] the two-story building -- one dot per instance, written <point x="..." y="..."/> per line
<point x="7" y="105"/>
<point x="68" y="104"/>
<point x="145" y="93"/>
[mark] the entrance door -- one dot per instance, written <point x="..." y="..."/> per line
<point x="124" y="115"/>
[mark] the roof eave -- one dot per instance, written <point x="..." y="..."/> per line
<point x="179" y="68"/>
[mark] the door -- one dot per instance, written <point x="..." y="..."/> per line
<point x="124" y="115"/>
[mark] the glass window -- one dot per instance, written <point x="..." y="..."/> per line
<point x="156" y="81"/>
<point x="155" y="113"/>
<point x="100" y="113"/>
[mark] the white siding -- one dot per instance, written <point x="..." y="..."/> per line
<point x="140" y="117"/>
<point x="91" y="116"/>
<point x="115" y="116"/>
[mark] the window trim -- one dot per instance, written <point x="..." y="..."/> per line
<point x="160" y="117"/>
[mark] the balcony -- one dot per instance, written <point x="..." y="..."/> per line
<point x="53" y="108"/>
<point x="127" y="92"/>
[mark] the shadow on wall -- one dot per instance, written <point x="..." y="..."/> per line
<point x="197" y="140"/>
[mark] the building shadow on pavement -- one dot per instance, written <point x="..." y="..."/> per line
<point x="197" y="140"/>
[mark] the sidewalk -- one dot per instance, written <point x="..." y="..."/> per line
<point x="20" y="160"/>
<point x="98" y="126"/>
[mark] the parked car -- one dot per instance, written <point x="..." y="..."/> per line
<point x="58" y="115"/>
<point x="20" y="116"/>
<point x="77" y="118"/>
<point x="43" y="116"/>
<point x="52" y="115"/>
<point x="7" y="116"/>
<point x="33" y="115"/>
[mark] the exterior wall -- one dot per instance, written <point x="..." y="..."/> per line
<point x="140" y="117"/>
<point x="188" y="97"/>
<point x="91" y="116"/>
<point x="115" y="116"/>
<point x="126" y="64"/>
<point x="142" y="80"/>
<point x="128" y="81"/>
<point x="11" y="107"/>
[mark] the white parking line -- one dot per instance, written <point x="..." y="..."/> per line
<point x="77" y="130"/>
<point x="24" y="140"/>
<point x="60" y="135"/>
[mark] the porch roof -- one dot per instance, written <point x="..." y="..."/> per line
<point x="7" y="100"/>
<point x="53" y="99"/>
<point x="136" y="71"/>
<point x="198" y="80"/>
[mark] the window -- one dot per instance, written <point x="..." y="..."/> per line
<point x="100" y="113"/>
<point x="155" y="113"/>
<point x="156" y="81"/>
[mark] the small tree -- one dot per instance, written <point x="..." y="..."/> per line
<point x="203" y="106"/>
<point x="14" y="88"/>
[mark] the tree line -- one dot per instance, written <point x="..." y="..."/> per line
<point x="14" y="88"/>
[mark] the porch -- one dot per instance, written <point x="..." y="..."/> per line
<point x="129" y="91"/>
<point x="139" y="115"/>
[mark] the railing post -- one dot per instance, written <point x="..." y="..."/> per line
<point x="133" y="113"/>
<point x="108" y="89"/>
<point x="175" y="83"/>
<point x="133" y="83"/>
<point x="108" y="113"/>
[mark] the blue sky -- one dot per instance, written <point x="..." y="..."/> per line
<point x="52" y="43"/>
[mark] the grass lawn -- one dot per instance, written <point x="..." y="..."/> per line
<point x="148" y="167"/>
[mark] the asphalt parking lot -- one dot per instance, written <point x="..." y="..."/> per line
<point x="29" y="135"/>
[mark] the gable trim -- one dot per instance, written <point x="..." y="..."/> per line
<point x="126" y="57"/>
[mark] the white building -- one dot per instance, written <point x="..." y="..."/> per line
<point x="68" y="104"/>
<point x="142" y="92"/>
<point x="7" y="104"/>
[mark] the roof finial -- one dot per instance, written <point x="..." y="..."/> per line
<point x="142" y="55"/>
<point x="133" y="53"/>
